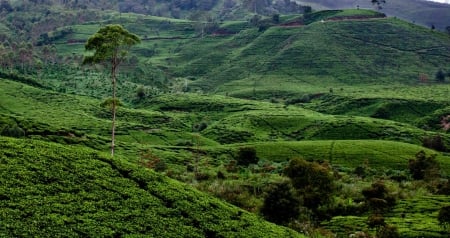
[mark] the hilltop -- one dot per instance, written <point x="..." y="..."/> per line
<point x="422" y="12"/>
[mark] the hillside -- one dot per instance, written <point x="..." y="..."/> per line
<point x="73" y="192"/>
<point x="422" y="12"/>
<point x="218" y="114"/>
<point x="165" y="134"/>
<point x="281" y="61"/>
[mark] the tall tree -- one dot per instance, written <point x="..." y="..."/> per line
<point x="111" y="45"/>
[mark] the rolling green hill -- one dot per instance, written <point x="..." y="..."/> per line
<point x="283" y="61"/>
<point x="350" y="89"/>
<point x="168" y="128"/>
<point x="49" y="189"/>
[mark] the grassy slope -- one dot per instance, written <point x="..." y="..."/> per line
<point x="73" y="191"/>
<point x="166" y="122"/>
<point x="421" y="211"/>
<point x="73" y="185"/>
<point x="334" y="55"/>
<point x="162" y="122"/>
<point x="280" y="61"/>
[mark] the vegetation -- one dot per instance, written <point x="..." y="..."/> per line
<point x="74" y="191"/>
<point x="326" y="122"/>
<point x="111" y="44"/>
<point x="424" y="167"/>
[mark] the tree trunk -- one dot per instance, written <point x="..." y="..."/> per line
<point x="114" y="106"/>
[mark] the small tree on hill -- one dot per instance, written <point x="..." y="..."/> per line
<point x="281" y="203"/>
<point x="377" y="197"/>
<point x="440" y="76"/>
<point x="444" y="217"/>
<point x="110" y="45"/>
<point x="434" y="142"/>
<point x="313" y="182"/>
<point x="388" y="231"/>
<point x="424" y="167"/>
<point x="246" y="156"/>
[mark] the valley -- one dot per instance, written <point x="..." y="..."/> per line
<point x="220" y="121"/>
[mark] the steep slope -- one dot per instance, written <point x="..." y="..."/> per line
<point x="324" y="54"/>
<point x="49" y="189"/>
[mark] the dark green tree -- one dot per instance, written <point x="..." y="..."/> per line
<point x="281" y="203"/>
<point x="440" y="76"/>
<point x="444" y="216"/>
<point x="246" y="156"/>
<point x="424" y="167"/>
<point x="110" y="45"/>
<point x="378" y="198"/>
<point x="313" y="182"/>
<point x="388" y="231"/>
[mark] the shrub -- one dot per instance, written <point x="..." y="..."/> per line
<point x="246" y="156"/>
<point x="183" y="142"/>
<point x="199" y="127"/>
<point x="140" y="92"/>
<point x="109" y="102"/>
<point x="424" y="167"/>
<point x="281" y="204"/>
<point x="444" y="216"/>
<point x="444" y="188"/>
<point x="388" y="231"/>
<point x="377" y="197"/>
<point x="12" y="131"/>
<point x="435" y="143"/>
<point x="376" y="220"/>
<point x="440" y="76"/>
<point x="313" y="182"/>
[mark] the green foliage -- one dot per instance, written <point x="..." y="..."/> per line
<point x="423" y="166"/>
<point x="140" y="93"/>
<point x="12" y="131"/>
<point x="281" y="203"/>
<point x="313" y="182"/>
<point x="435" y="142"/>
<point x="52" y="189"/>
<point x="246" y="156"/>
<point x="444" y="216"/>
<point x="110" y="43"/>
<point x="388" y="231"/>
<point x="378" y="197"/>
<point x="107" y="103"/>
<point x="440" y="76"/>
<point x="376" y="220"/>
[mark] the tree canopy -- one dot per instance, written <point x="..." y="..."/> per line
<point x="110" y="43"/>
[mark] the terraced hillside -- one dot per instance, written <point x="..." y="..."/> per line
<point x="49" y="189"/>
<point x="350" y="91"/>
<point x="173" y="134"/>
<point x="281" y="61"/>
